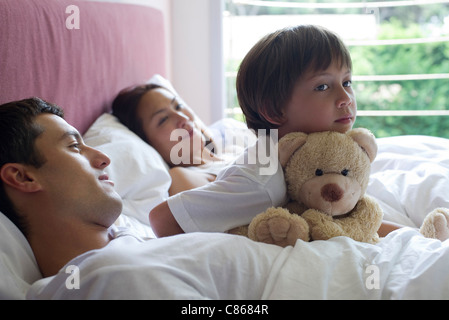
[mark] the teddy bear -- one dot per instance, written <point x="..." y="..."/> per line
<point x="327" y="174"/>
<point x="436" y="224"/>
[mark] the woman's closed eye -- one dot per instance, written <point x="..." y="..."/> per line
<point x="179" y="106"/>
<point x="162" y="120"/>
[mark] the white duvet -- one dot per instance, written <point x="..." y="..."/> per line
<point x="410" y="178"/>
<point x="219" y="266"/>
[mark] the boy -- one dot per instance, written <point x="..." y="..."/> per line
<point x="295" y="79"/>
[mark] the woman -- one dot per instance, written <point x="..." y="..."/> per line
<point x="168" y="124"/>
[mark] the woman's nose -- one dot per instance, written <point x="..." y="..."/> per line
<point x="181" y="120"/>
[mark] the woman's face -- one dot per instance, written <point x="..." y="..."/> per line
<point x="168" y="123"/>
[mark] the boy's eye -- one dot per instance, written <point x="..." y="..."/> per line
<point x="347" y="83"/>
<point x="322" y="87"/>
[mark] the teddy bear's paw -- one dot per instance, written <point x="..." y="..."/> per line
<point x="436" y="224"/>
<point x="282" y="230"/>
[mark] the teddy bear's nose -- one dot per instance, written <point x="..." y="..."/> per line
<point x="331" y="192"/>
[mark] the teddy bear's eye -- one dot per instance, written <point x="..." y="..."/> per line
<point x="319" y="172"/>
<point x="345" y="172"/>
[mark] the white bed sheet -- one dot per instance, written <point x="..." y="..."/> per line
<point x="410" y="177"/>
<point x="404" y="265"/>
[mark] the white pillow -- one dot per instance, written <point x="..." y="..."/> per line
<point x="159" y="80"/>
<point x="140" y="174"/>
<point x="141" y="178"/>
<point x="18" y="267"/>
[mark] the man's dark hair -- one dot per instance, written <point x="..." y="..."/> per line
<point x="18" y="132"/>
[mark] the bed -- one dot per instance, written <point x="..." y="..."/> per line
<point x="118" y="45"/>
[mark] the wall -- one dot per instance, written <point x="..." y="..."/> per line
<point x="194" y="52"/>
<point x="197" y="56"/>
<point x="165" y="7"/>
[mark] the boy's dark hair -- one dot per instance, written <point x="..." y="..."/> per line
<point x="270" y="70"/>
<point x="18" y="132"/>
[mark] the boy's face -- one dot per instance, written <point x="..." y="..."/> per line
<point x="321" y="101"/>
<point x="73" y="175"/>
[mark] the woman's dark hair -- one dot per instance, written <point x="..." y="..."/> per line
<point x="18" y="132"/>
<point x="124" y="107"/>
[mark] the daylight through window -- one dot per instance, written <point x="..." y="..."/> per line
<point x="400" y="52"/>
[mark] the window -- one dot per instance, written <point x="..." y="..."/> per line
<point x="400" y="52"/>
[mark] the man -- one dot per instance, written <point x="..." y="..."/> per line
<point x="53" y="186"/>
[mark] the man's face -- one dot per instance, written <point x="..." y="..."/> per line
<point x="73" y="176"/>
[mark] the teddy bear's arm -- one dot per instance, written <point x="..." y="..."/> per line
<point x="361" y="224"/>
<point x="321" y="225"/>
<point x="364" y="222"/>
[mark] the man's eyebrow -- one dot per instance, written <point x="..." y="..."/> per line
<point x="72" y="133"/>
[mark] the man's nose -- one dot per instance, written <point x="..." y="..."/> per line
<point x="98" y="159"/>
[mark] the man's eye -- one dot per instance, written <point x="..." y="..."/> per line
<point x="322" y="87"/>
<point x="75" y="146"/>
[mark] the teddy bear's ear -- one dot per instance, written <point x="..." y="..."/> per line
<point x="366" y="140"/>
<point x="289" y="144"/>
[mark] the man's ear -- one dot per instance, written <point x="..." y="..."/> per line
<point x="19" y="177"/>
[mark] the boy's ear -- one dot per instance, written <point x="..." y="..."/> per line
<point x="273" y="120"/>
<point x="19" y="177"/>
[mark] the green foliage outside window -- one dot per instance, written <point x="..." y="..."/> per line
<point x="429" y="58"/>
<point x="426" y="58"/>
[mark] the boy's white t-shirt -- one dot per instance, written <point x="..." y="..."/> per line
<point x="252" y="184"/>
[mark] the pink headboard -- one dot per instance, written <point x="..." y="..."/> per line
<point x="81" y="70"/>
